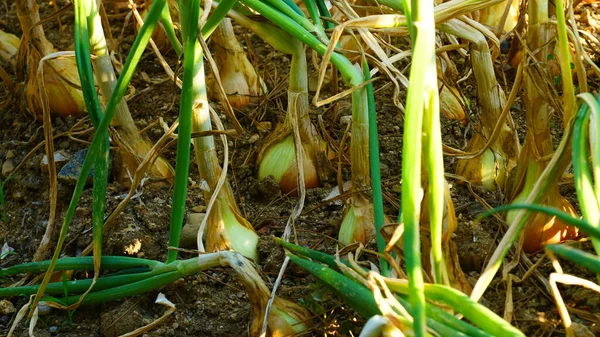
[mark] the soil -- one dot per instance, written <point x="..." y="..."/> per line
<point x="214" y="303"/>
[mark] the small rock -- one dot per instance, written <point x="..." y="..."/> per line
<point x="7" y="168"/>
<point x="153" y="226"/>
<point x="385" y="170"/>
<point x="581" y="330"/>
<point x="11" y="154"/>
<point x="345" y="120"/>
<point x="53" y="329"/>
<point x="189" y="232"/>
<point x="44" y="309"/>
<point x="64" y="145"/>
<point x="6" y="308"/>
<point x="70" y="172"/>
<point x="175" y="325"/>
<point x="264" y="126"/>
<point x="253" y="139"/>
<point x="59" y="159"/>
<point x="33" y="181"/>
<point x="198" y="209"/>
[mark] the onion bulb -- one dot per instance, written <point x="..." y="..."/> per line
<point x="450" y="106"/>
<point x="492" y="15"/>
<point x="543" y="229"/>
<point x="61" y="84"/>
<point x="358" y="222"/>
<point x="285" y="318"/>
<point x="238" y="76"/>
<point x="488" y="170"/>
<point x="9" y="48"/>
<point x="279" y="161"/>
<point x="228" y="230"/>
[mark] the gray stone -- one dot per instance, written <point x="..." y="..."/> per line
<point x="69" y="173"/>
<point x="7" y="167"/>
<point x="189" y="232"/>
<point x="6" y="308"/>
<point x="59" y="159"/>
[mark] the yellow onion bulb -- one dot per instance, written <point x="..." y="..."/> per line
<point x="9" y="47"/>
<point x="487" y="170"/>
<point x="358" y="222"/>
<point x="279" y="161"/>
<point x="492" y="15"/>
<point x="543" y="229"/>
<point x="62" y="82"/>
<point x="450" y="106"/>
<point x="229" y="230"/>
<point x="61" y="85"/>
<point x="287" y="319"/>
<point x="238" y="76"/>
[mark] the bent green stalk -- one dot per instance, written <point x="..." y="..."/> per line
<point x="81" y="263"/>
<point x="175" y="271"/>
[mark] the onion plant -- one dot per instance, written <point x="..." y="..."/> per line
<point x="538" y="145"/>
<point x="490" y="167"/>
<point x="227" y="229"/>
<point x="357" y="225"/>
<point x="133" y="146"/>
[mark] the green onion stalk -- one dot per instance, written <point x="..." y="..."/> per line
<point x="587" y="184"/>
<point x="489" y="169"/>
<point x="83" y="37"/>
<point x="117" y="286"/>
<point x="357" y="225"/>
<point x="538" y="147"/>
<point x="133" y="147"/>
<point x="164" y="35"/>
<point x="421" y="132"/>
<point x="227" y="229"/>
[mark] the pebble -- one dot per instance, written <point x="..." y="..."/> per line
<point x="53" y="329"/>
<point x="64" y="145"/>
<point x="33" y="182"/>
<point x="6" y="308"/>
<point x="44" y="309"/>
<point x="189" y="232"/>
<point x="198" y="209"/>
<point x="59" y="159"/>
<point x="7" y="167"/>
<point x="175" y="325"/>
<point x="264" y="126"/>
<point x="69" y="173"/>
<point x="345" y="120"/>
<point x="253" y="139"/>
<point x="11" y="154"/>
